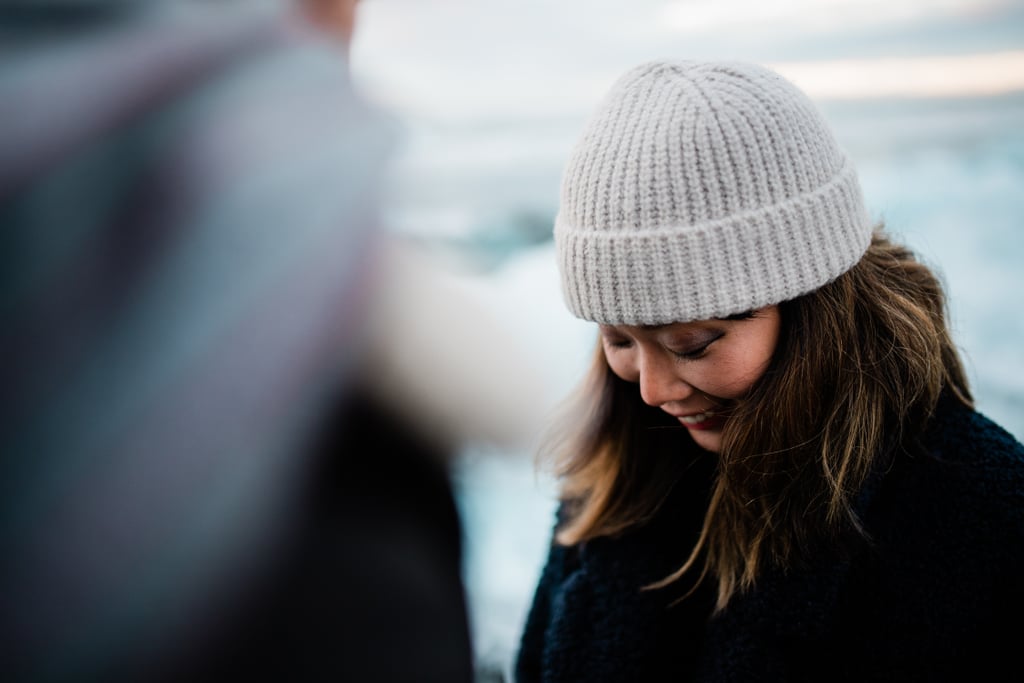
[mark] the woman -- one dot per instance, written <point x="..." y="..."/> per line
<point x="773" y="470"/>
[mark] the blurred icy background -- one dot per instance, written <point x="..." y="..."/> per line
<point x="926" y="95"/>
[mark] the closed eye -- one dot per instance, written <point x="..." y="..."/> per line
<point x="618" y="343"/>
<point x="691" y="355"/>
<point x="696" y="352"/>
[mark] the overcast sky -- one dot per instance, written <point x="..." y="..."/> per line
<point x="492" y="93"/>
<point x="459" y="60"/>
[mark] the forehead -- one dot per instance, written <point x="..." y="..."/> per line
<point x="668" y="328"/>
<point x="767" y="318"/>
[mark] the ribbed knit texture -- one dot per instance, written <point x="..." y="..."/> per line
<point x="700" y="190"/>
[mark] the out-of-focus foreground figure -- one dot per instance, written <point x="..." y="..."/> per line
<point x="199" y="482"/>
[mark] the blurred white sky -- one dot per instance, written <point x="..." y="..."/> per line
<point x="465" y="60"/>
<point x="493" y="92"/>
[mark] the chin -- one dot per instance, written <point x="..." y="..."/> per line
<point x="708" y="440"/>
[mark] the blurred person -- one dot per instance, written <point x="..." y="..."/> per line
<point x="217" y="459"/>
<point x="334" y="16"/>
<point x="773" y="469"/>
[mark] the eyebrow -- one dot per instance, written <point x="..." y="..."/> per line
<point x="745" y="315"/>
<point x="738" y="316"/>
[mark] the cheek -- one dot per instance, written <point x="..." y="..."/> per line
<point x="731" y="378"/>
<point x="746" y="360"/>
<point x="623" y="365"/>
<point x="720" y="379"/>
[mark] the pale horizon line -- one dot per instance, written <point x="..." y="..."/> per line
<point x="969" y="75"/>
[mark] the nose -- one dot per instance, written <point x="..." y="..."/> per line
<point x="659" y="382"/>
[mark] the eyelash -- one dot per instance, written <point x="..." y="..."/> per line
<point x="695" y="354"/>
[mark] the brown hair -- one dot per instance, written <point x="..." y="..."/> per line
<point x="857" y="372"/>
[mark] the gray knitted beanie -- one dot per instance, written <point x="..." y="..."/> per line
<point x="700" y="190"/>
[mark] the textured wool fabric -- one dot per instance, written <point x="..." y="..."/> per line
<point x="700" y="190"/>
<point x="929" y="600"/>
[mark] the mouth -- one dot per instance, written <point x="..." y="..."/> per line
<point x="702" y="421"/>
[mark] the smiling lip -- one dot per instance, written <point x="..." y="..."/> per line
<point x="702" y="421"/>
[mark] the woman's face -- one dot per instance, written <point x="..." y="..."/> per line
<point x="337" y="17"/>
<point x="695" y="371"/>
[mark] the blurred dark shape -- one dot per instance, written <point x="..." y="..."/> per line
<point x="367" y="586"/>
<point x="193" y="488"/>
